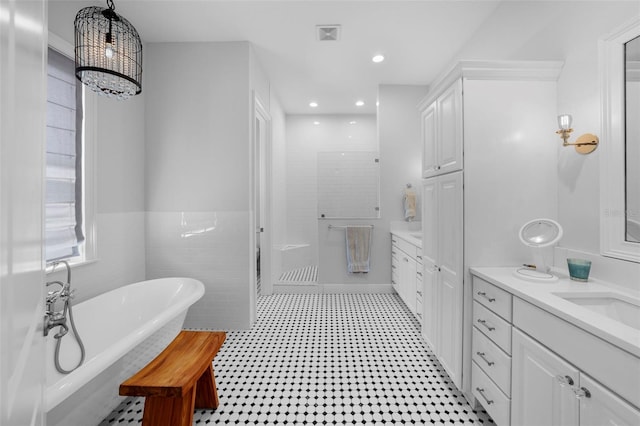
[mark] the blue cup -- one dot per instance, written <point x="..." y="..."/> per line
<point x="579" y="269"/>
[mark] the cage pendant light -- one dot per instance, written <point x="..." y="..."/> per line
<point x="108" y="52"/>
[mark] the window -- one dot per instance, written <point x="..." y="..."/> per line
<point x="68" y="213"/>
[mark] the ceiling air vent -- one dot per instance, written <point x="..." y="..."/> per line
<point x="328" y="32"/>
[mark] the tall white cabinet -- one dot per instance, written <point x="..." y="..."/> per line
<point x="489" y="165"/>
<point x="442" y="273"/>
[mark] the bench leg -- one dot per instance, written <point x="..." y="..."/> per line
<point x="206" y="392"/>
<point x="163" y="411"/>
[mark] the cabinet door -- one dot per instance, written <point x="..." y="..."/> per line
<point x="429" y="160"/>
<point x="407" y="281"/>
<point x="449" y="129"/>
<point x="601" y="407"/>
<point x="450" y="274"/>
<point x="429" y="248"/>
<point x="541" y="387"/>
<point x="412" y="281"/>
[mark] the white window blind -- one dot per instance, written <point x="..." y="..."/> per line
<point x="63" y="194"/>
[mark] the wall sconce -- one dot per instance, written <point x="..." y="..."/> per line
<point x="585" y="144"/>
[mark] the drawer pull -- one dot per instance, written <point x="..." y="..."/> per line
<point x="419" y="314"/>
<point x="564" y="380"/>
<point x="419" y="273"/>
<point x="484" y="322"/>
<point x="393" y="266"/>
<point x="483" y="294"/>
<point x="393" y="252"/>
<point x="484" y="358"/>
<point x="406" y="259"/>
<point x="419" y="292"/>
<point x="419" y="257"/>
<point x="481" y="392"/>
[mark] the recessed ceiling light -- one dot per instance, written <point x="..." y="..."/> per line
<point x="316" y="123"/>
<point x="377" y="59"/>
<point x="359" y="103"/>
<point x="313" y="104"/>
<point x="352" y="122"/>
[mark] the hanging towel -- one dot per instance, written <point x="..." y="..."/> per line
<point x="358" y="248"/>
<point x="409" y="204"/>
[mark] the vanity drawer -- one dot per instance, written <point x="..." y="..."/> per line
<point x="496" y="403"/>
<point x="492" y="326"/>
<point x="403" y="245"/>
<point x="492" y="360"/>
<point x="494" y="298"/>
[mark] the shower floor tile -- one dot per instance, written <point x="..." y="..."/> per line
<point x="328" y="359"/>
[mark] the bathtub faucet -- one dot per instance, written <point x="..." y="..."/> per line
<point x="52" y="317"/>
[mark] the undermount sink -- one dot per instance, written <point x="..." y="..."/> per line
<point x="618" y="307"/>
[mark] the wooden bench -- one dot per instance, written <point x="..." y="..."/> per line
<point x="178" y="380"/>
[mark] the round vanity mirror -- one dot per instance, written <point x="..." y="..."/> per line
<point x="540" y="235"/>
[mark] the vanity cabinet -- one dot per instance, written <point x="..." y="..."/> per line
<point x="531" y="367"/>
<point x="442" y="132"/>
<point x="578" y="380"/>
<point x="550" y="391"/>
<point x="405" y="275"/>
<point x="442" y="270"/>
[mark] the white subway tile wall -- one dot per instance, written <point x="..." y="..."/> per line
<point x="348" y="184"/>
<point x="211" y="247"/>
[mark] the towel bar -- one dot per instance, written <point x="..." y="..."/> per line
<point x="345" y="226"/>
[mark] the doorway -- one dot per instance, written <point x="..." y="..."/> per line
<point x="262" y="207"/>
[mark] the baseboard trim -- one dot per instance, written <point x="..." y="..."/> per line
<point x="332" y="288"/>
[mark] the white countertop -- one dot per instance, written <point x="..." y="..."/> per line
<point x="542" y="295"/>
<point x="412" y="237"/>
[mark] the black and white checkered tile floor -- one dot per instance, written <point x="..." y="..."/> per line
<point x="328" y="359"/>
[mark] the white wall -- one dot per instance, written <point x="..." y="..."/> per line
<point x="399" y="135"/>
<point x="579" y="176"/>
<point x="198" y="175"/>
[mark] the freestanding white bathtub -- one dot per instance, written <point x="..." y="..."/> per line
<point x="122" y="331"/>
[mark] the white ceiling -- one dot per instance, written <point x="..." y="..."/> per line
<point x="419" y="38"/>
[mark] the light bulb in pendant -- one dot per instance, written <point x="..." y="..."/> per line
<point x="108" y="47"/>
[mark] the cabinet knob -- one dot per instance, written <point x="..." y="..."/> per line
<point x="564" y="380"/>
<point x="437" y="167"/>
<point x="582" y="393"/>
